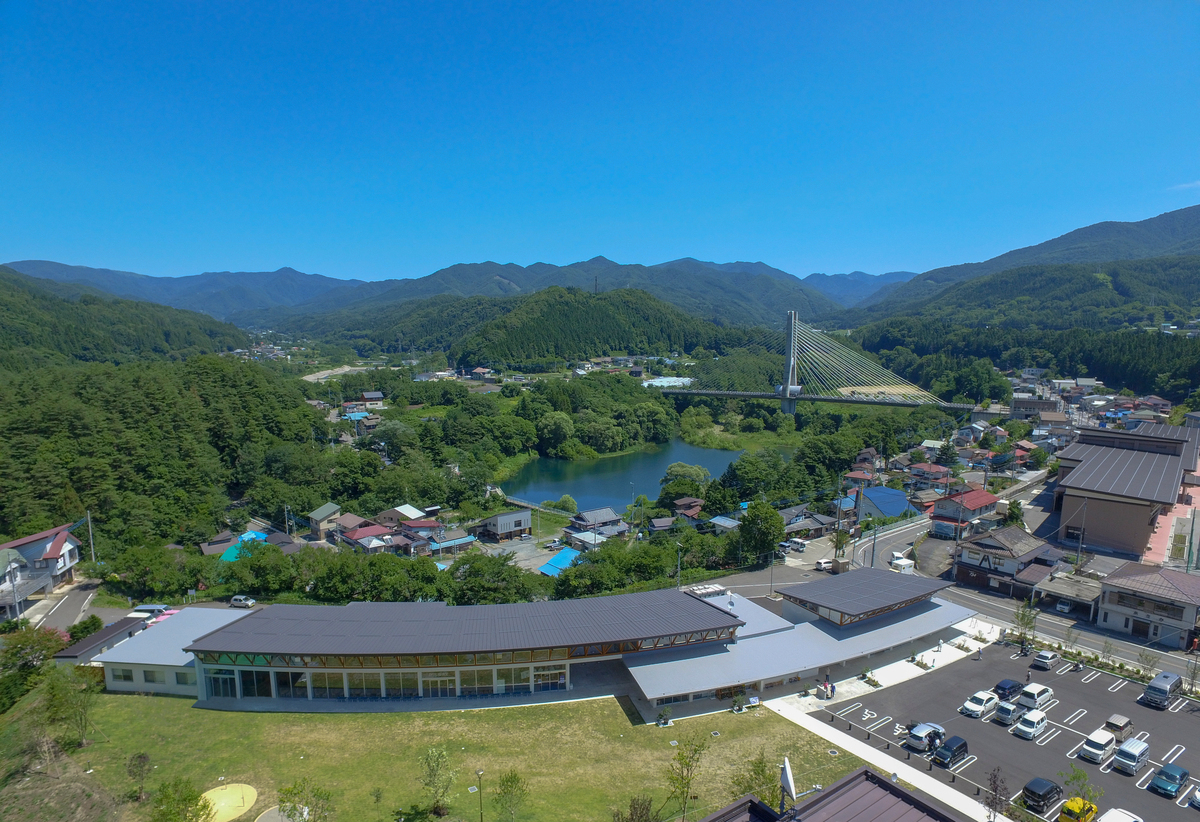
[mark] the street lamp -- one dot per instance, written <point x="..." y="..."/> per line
<point x="479" y="785"/>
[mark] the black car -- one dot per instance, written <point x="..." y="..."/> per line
<point x="951" y="752"/>
<point x="1008" y="690"/>
<point x="1041" y="794"/>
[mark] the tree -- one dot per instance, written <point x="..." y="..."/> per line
<point x="683" y="770"/>
<point x="1148" y="661"/>
<point x="437" y="778"/>
<point x="641" y="809"/>
<point x="761" y="529"/>
<point x="681" y="470"/>
<point x="1108" y="651"/>
<point x="1077" y="784"/>
<point x="840" y="540"/>
<point x="510" y="794"/>
<point x="947" y="454"/>
<point x="181" y="801"/>
<point x="68" y="700"/>
<point x="996" y="798"/>
<point x="1025" y="621"/>
<point x="1014" y="515"/>
<point x="85" y="628"/>
<point x="758" y="776"/>
<point x="138" y="768"/>
<point x="304" y="801"/>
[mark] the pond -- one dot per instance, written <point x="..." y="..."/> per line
<point x="612" y="481"/>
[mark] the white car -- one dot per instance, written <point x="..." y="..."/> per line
<point x="241" y="601"/>
<point x="1031" y="724"/>
<point x="980" y="704"/>
<point x="1064" y="606"/>
<point x="824" y="565"/>
<point x="1099" y="746"/>
<point x="1119" y="815"/>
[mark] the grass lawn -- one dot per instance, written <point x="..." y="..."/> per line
<point x="581" y="759"/>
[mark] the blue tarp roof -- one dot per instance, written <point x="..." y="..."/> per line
<point x="559" y="562"/>
<point x="356" y="416"/>
<point x="890" y="501"/>
<point x="234" y="551"/>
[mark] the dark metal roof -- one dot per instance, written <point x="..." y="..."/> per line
<point x="120" y="628"/>
<point x="863" y="590"/>
<point x="1174" y="586"/>
<point x="1137" y="475"/>
<point x="434" y="627"/>
<point x="866" y="795"/>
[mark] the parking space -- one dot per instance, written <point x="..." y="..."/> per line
<point x="1082" y="701"/>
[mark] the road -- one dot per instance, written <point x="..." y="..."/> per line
<point x="1053" y="627"/>
<point x="876" y="550"/>
<point x="70" y="609"/>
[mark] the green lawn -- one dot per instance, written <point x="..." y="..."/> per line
<point x="581" y="758"/>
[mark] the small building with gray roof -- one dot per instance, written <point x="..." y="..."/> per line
<point x="1151" y="603"/>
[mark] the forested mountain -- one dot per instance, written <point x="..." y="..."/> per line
<point x="1102" y="295"/>
<point x="725" y="293"/>
<point x="1175" y="233"/>
<point x="217" y="293"/>
<point x="40" y="327"/>
<point x="855" y="287"/>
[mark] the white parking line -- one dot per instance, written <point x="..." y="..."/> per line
<point x="1047" y="736"/>
<point x="1075" y="717"/>
<point x="1118" y="685"/>
<point x="962" y="766"/>
<point x="1049" y="705"/>
<point x="1174" y="753"/>
<point x="1066" y="669"/>
<point x="1145" y="780"/>
<point x="883" y="721"/>
<point x="849" y="708"/>
<point x="1053" y="812"/>
<point x="1142" y="735"/>
<point x="1182" y="801"/>
<point x="1071" y="753"/>
<point x="1177" y="706"/>
<point x="1107" y="765"/>
<point x="1090" y="676"/>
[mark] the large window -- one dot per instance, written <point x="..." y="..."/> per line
<point x="121" y="674"/>
<point x="439" y="683"/>
<point x="475" y="683"/>
<point x="221" y="682"/>
<point x="364" y="685"/>
<point x="154" y="677"/>
<point x="327" y="685"/>
<point x="291" y="684"/>
<point x="255" y="683"/>
<point x="401" y="685"/>
<point x="185" y="677"/>
<point x="515" y="680"/>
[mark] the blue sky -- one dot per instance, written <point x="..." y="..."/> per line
<point x="379" y="140"/>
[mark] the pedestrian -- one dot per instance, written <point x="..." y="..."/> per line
<point x="832" y="690"/>
<point x="979" y="655"/>
<point x="1028" y="676"/>
<point x="939" y="646"/>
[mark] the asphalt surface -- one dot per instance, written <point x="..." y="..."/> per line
<point x="1083" y="700"/>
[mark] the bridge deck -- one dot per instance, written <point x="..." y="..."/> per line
<point x="898" y="402"/>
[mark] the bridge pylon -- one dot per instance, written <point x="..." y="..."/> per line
<point x="789" y="389"/>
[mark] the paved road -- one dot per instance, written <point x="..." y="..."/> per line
<point x="876" y="550"/>
<point x="71" y="608"/>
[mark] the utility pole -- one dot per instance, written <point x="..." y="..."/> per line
<point x="1079" y="547"/>
<point x="91" y="542"/>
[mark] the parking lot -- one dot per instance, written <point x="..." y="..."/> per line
<point x="1083" y="700"/>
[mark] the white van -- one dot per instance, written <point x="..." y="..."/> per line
<point x="904" y="566"/>
<point x="1132" y="756"/>
<point x="1099" y="746"/>
<point x="1036" y="696"/>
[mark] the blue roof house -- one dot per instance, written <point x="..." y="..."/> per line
<point x="881" y="501"/>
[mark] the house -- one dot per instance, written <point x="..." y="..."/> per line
<point x="659" y="524"/>
<point x="322" y="521"/>
<point x="597" y="519"/>
<point x="810" y="525"/>
<point x="370" y="538"/>
<point x="1125" y="481"/>
<point x="931" y="448"/>
<point x="349" y="522"/>
<point x="423" y="528"/>
<point x="688" y="508"/>
<point x="959" y="514"/>
<point x="858" y="479"/>
<point x="883" y="502"/>
<point x="559" y="562"/>
<point x="219" y="544"/>
<point x="928" y="475"/>
<point x="723" y="525"/>
<point x="1151" y="603"/>
<point x="636" y="371"/>
<point x="509" y="525"/>
<point x="284" y="542"/>
<point x="371" y="399"/>
<point x="1008" y="560"/>
<point x="153" y="662"/>
<point x="585" y="540"/>
<point x="86" y="649"/>
<point x="392" y="517"/>
<point x="1192" y="419"/>
<point x="480" y="373"/>
<point x="454" y="541"/>
<point x="38" y="562"/>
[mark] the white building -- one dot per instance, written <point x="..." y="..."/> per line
<point x="153" y="661"/>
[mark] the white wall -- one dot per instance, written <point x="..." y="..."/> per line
<point x="139" y="685"/>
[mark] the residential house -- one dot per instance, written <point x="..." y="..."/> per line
<point x="603" y="521"/>
<point x="452" y="541"/>
<point x="1113" y="486"/>
<point x="882" y="502"/>
<point x="480" y="373"/>
<point x="1025" y="407"/>
<point x="858" y="479"/>
<point x="38" y="562"/>
<point x="322" y="521"/>
<point x="660" y="524"/>
<point x="1000" y="435"/>
<point x="1008" y="560"/>
<point x="1192" y="419"/>
<point x="1152" y="603"/>
<point x="219" y="544"/>
<point x="929" y="475"/>
<point x="931" y="448"/>
<point x="688" y="508"/>
<point x="285" y="543"/>
<point x="585" y="540"/>
<point x="371" y="399"/>
<point x="369" y="538"/>
<point x="723" y="525"/>
<point x="901" y="462"/>
<point x="348" y="522"/>
<point x="637" y="371"/>
<point x="509" y="525"/>
<point x="867" y="460"/>
<point x="959" y="514"/>
<point x="392" y="517"/>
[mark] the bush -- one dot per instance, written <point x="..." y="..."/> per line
<point x="84" y="629"/>
<point x="751" y="426"/>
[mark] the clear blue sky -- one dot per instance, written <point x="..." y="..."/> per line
<point x="380" y="140"/>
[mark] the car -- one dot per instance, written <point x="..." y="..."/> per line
<point x="1169" y="780"/>
<point x="951" y="752"/>
<point x="1099" y="746"/>
<point x="824" y="565"/>
<point x="1064" y="606"/>
<point x="1046" y="660"/>
<point x="1030" y="725"/>
<point x="1036" y="696"/>
<point x="240" y="601"/>
<point x="1195" y="800"/>
<point x="925" y="737"/>
<point x="1008" y="690"/>
<point x="1077" y="809"/>
<point x="1009" y="712"/>
<point x="1119" y="815"/>
<point x="1041" y="794"/>
<point x="785" y="546"/>
<point x="798" y="545"/>
<point x="981" y="703"/>
<point x="526" y="537"/>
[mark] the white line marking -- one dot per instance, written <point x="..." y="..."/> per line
<point x="1108" y="764"/>
<point x="1177" y="706"/>
<point x="962" y="766"/>
<point x="1071" y="753"/>
<point x="1075" y="717"/>
<point x="1174" y="753"/>
<point x="1118" y="685"/>
<point x="1182" y="800"/>
<point x="883" y="721"/>
<point x="1049" y="705"/>
<point x="847" y="710"/>
<point x="1090" y="676"/>
<point x="1145" y="780"/>
<point x="55" y="608"/>
<point x="1047" y="736"/>
<point x="1142" y="735"/>
<point x="1016" y="656"/>
<point x="1066" y="669"/>
<point x="1053" y="812"/>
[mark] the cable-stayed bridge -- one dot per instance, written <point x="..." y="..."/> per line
<point x="818" y="369"/>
